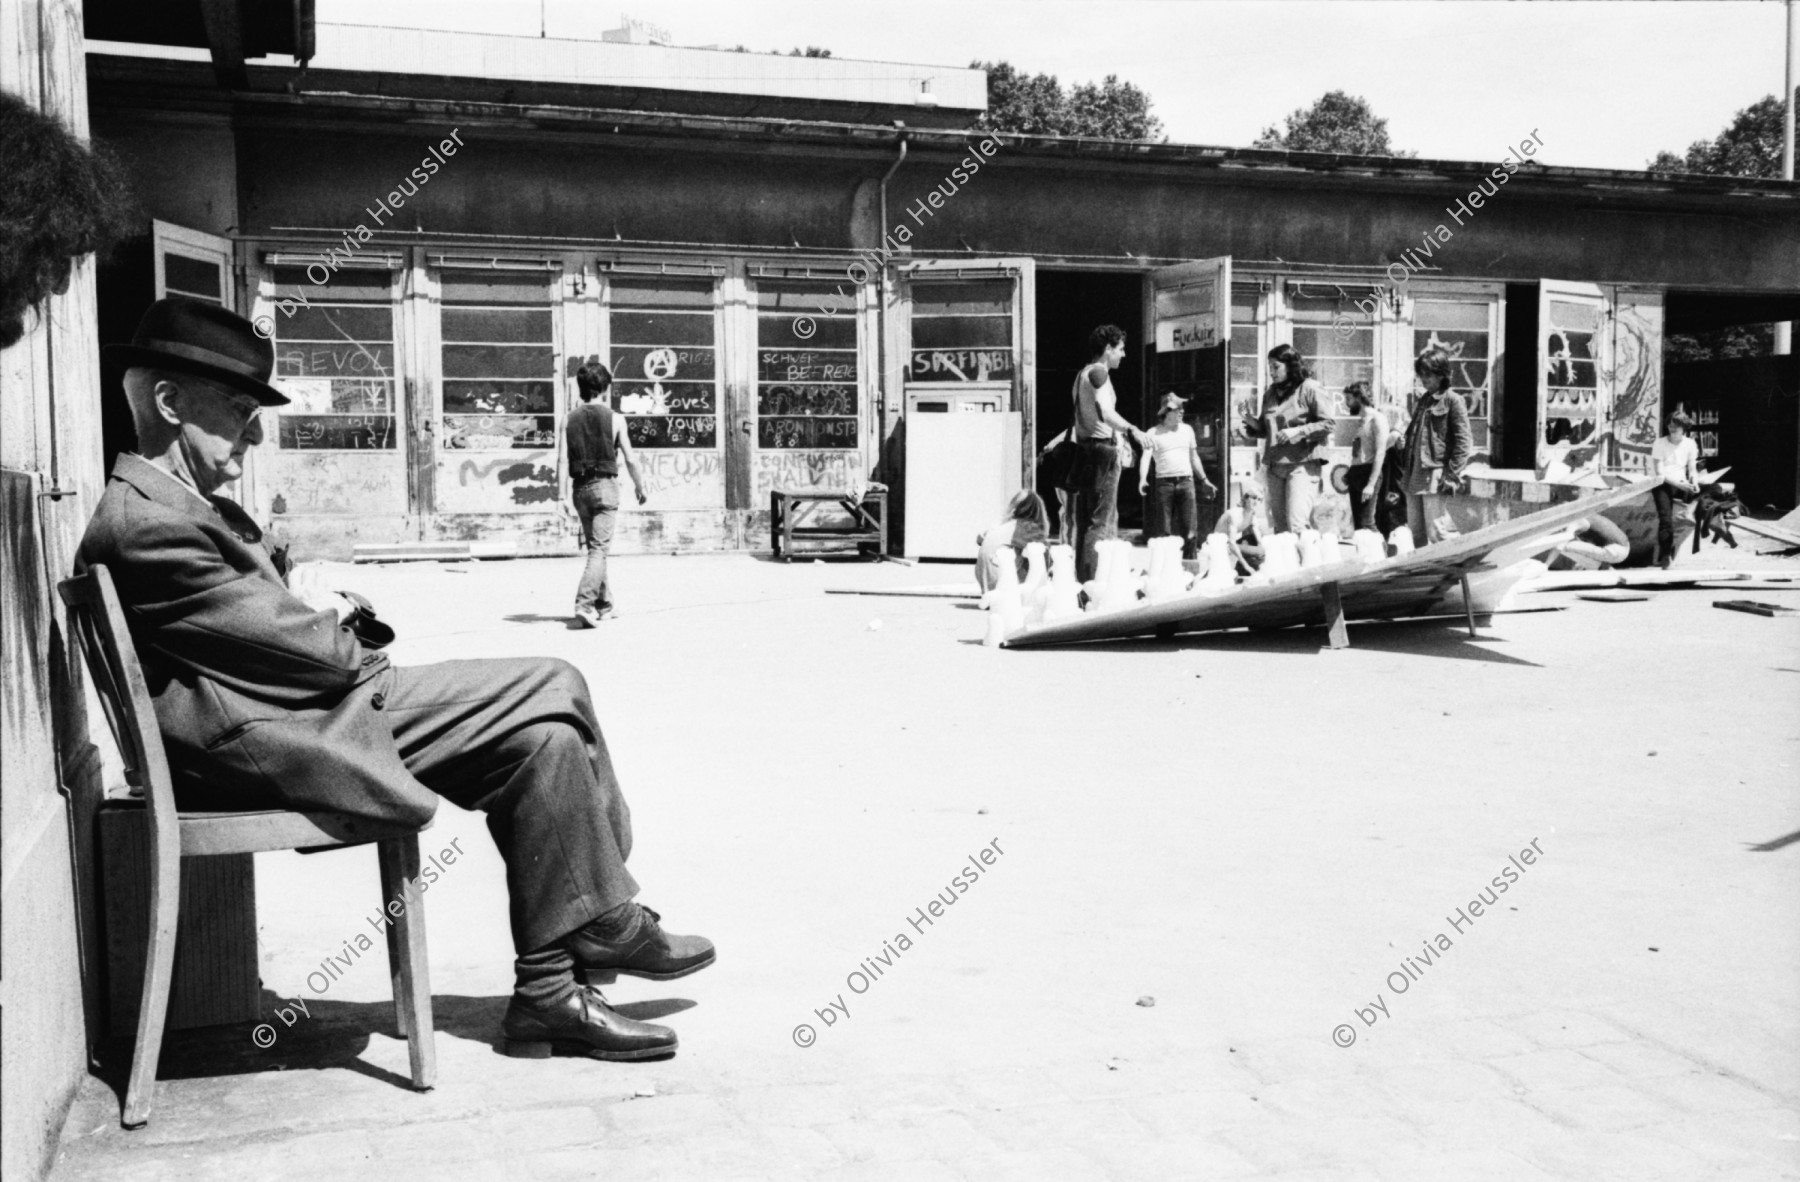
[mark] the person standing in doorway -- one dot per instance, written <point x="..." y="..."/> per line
<point x="1438" y="442"/>
<point x="597" y="442"/>
<point x="1098" y="426"/>
<point x="1676" y="458"/>
<point x="1175" y="454"/>
<point x="1295" y="429"/>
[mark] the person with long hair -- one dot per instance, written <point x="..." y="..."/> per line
<point x="1175" y="453"/>
<point x="1295" y="429"/>
<point x="1438" y="441"/>
<point x="1026" y="521"/>
<point x="1676" y="458"/>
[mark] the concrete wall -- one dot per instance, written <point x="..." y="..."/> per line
<point x="49" y="438"/>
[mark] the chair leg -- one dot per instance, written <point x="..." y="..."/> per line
<point x="407" y="962"/>
<point x="159" y="968"/>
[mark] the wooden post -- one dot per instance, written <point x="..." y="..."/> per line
<point x="1468" y="604"/>
<point x="1334" y="616"/>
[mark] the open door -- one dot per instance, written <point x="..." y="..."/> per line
<point x="1572" y="340"/>
<point x="970" y="332"/>
<point x="194" y="264"/>
<point x="1189" y="314"/>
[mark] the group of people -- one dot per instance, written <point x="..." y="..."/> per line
<point x="1390" y="474"/>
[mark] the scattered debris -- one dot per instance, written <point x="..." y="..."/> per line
<point x="1753" y="607"/>
<point x="1113" y="1064"/>
<point x="1654" y="948"/>
<point x="644" y="1093"/>
<point x="982" y="811"/>
<point x="1613" y="596"/>
<point x="1146" y="1001"/>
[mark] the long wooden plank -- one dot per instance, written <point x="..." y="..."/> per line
<point x="1766" y="529"/>
<point x="1415" y="585"/>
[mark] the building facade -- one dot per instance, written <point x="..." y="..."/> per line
<point x="790" y="303"/>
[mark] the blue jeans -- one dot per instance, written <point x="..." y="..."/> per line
<point x="1096" y="503"/>
<point x="597" y="503"/>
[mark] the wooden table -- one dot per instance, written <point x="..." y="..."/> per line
<point x="867" y="525"/>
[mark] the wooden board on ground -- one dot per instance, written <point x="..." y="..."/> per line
<point x="1582" y="580"/>
<point x="1754" y="608"/>
<point x="1614" y="596"/>
<point x="1764" y="584"/>
<point x="1418" y="584"/>
<point x="962" y="590"/>
<point x="1766" y="529"/>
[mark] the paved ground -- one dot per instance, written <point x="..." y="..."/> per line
<point x="1260" y="836"/>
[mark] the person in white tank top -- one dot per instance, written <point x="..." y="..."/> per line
<point x="1097" y="427"/>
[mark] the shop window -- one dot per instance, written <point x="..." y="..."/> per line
<point x="499" y="361"/>
<point x="665" y="363"/>
<point x="807" y="376"/>
<point x="1571" y="383"/>
<point x="1246" y="363"/>
<point x="1336" y="338"/>
<point x="1464" y="329"/>
<point x="334" y="357"/>
<point x="962" y="331"/>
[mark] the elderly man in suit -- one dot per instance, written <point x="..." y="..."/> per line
<point x="267" y="699"/>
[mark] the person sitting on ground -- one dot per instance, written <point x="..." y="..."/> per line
<point x="267" y="701"/>
<point x="1026" y="522"/>
<point x="1238" y="525"/>
<point x="1598" y="543"/>
<point x="1175" y="454"/>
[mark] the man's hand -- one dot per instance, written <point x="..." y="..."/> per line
<point x="1143" y="486"/>
<point x="642" y="496"/>
<point x="306" y="582"/>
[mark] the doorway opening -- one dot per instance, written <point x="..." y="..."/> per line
<point x="1070" y="305"/>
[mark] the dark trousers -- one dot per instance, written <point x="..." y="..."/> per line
<point x="1177" y="512"/>
<point x="1664" y="498"/>
<point x="518" y="739"/>
<point x="1362" y="509"/>
<point x="1096" y="508"/>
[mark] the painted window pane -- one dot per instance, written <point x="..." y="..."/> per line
<point x="199" y="278"/>
<point x="498" y="361"/>
<point x="962" y="331"/>
<point x="664" y="362"/>
<point x="1463" y="329"/>
<point x="807" y="369"/>
<point x="335" y="359"/>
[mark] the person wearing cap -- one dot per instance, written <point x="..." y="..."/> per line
<point x="1175" y="454"/>
<point x="267" y="700"/>
<point x="1676" y="458"/>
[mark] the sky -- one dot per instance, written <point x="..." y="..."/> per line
<point x="1605" y="84"/>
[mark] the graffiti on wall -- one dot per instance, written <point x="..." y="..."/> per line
<point x="332" y="482"/>
<point x="1636" y="381"/>
<point x="799" y="471"/>
<point x="680" y="479"/>
<point x="496" y="483"/>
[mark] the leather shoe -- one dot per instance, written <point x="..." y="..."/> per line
<point x="582" y="1024"/>
<point x="640" y="948"/>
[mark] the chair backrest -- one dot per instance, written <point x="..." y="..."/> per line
<point x="99" y="626"/>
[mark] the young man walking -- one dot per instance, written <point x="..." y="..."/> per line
<point x="597" y="441"/>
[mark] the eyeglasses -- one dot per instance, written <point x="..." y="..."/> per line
<point x="246" y="407"/>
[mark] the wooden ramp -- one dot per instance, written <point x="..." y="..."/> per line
<point x="1471" y="571"/>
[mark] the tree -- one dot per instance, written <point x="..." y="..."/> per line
<point x="1036" y="104"/>
<point x="1749" y="146"/>
<point x="810" y="51"/>
<point x="1338" y="122"/>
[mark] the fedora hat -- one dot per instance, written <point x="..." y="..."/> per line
<point x="192" y="336"/>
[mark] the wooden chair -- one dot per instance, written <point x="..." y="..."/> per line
<point x="99" y="625"/>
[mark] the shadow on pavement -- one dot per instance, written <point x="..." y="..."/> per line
<point x="1766" y="846"/>
<point x="534" y="618"/>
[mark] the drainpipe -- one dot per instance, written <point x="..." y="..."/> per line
<point x="882" y="306"/>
